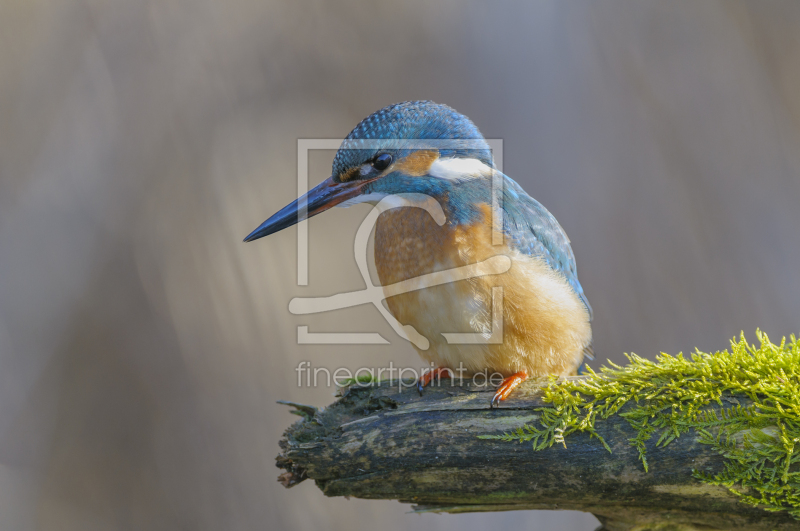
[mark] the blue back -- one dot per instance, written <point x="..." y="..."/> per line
<point x="534" y="231"/>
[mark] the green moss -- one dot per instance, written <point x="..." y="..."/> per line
<point x="674" y="395"/>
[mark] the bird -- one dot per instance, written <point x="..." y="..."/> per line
<point x="546" y="317"/>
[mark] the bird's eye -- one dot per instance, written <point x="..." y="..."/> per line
<point x="382" y="161"/>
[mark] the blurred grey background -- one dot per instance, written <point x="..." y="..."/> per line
<point x="143" y="346"/>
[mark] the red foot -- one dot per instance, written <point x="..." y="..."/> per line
<point x="426" y="378"/>
<point x="508" y="385"/>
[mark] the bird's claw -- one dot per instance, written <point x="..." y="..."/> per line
<point x="495" y="400"/>
<point x="508" y="385"/>
<point x="426" y="378"/>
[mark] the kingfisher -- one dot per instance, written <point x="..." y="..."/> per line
<point x="546" y="317"/>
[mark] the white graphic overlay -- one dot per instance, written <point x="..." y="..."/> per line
<point x="375" y="294"/>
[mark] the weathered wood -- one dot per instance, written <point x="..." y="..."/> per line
<point x="381" y="443"/>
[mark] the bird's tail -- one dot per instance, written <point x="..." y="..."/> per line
<point x="588" y="354"/>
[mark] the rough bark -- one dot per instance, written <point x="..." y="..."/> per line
<point x="383" y="443"/>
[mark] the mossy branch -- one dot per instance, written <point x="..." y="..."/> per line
<point x="704" y="442"/>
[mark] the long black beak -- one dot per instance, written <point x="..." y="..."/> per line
<point x="325" y="195"/>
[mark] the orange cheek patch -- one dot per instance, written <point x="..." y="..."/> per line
<point x="349" y="175"/>
<point x="416" y="164"/>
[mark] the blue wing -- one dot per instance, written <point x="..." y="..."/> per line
<point x="534" y="231"/>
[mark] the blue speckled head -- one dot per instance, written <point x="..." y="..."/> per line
<point x="398" y="130"/>
<point x="411" y="120"/>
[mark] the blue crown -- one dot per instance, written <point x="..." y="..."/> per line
<point x="411" y="120"/>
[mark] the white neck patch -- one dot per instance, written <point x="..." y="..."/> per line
<point x="373" y="199"/>
<point x="455" y="169"/>
<point x="388" y="201"/>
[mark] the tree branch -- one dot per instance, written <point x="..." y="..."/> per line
<point x="381" y="443"/>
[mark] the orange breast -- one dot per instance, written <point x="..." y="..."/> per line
<point x="545" y="325"/>
<point x="409" y="243"/>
